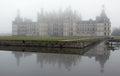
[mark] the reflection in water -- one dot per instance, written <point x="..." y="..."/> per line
<point x="19" y="55"/>
<point x="66" y="61"/>
<point x="71" y="59"/>
<point x="100" y="53"/>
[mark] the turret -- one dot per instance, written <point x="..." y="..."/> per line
<point x="18" y="19"/>
<point x="40" y="16"/>
<point x="15" y="24"/>
<point x="103" y="17"/>
<point x="103" y="14"/>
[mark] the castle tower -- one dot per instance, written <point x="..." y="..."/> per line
<point x="106" y="21"/>
<point x="42" y="24"/>
<point x="18" y="20"/>
<point x="103" y="14"/>
<point x="18" y="13"/>
<point x="103" y="24"/>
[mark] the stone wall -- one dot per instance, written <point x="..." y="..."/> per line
<point x="51" y="44"/>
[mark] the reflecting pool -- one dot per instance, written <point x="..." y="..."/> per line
<point x="100" y="60"/>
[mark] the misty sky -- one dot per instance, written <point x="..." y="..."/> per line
<point x="29" y="9"/>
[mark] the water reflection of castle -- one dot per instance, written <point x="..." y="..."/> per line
<point x="64" y="60"/>
<point x="100" y="53"/>
<point x="19" y="55"/>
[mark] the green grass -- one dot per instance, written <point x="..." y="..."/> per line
<point x="47" y="38"/>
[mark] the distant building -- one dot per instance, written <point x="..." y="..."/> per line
<point x="64" y="23"/>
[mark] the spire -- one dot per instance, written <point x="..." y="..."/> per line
<point x="18" y="18"/>
<point x="18" y="13"/>
<point x="103" y="9"/>
<point x="103" y="14"/>
<point x="103" y="6"/>
<point x="68" y="9"/>
<point x="42" y="12"/>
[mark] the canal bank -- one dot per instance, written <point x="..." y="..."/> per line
<point x="51" y="44"/>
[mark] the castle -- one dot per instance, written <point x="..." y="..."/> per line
<point x="63" y="23"/>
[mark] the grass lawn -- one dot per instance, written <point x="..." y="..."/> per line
<point x="47" y="38"/>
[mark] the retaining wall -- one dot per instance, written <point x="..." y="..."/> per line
<point x="51" y="44"/>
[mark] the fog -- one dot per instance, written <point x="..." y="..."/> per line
<point x="29" y="8"/>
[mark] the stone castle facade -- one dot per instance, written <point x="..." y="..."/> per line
<point x="63" y="23"/>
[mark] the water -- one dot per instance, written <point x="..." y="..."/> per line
<point x="97" y="61"/>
